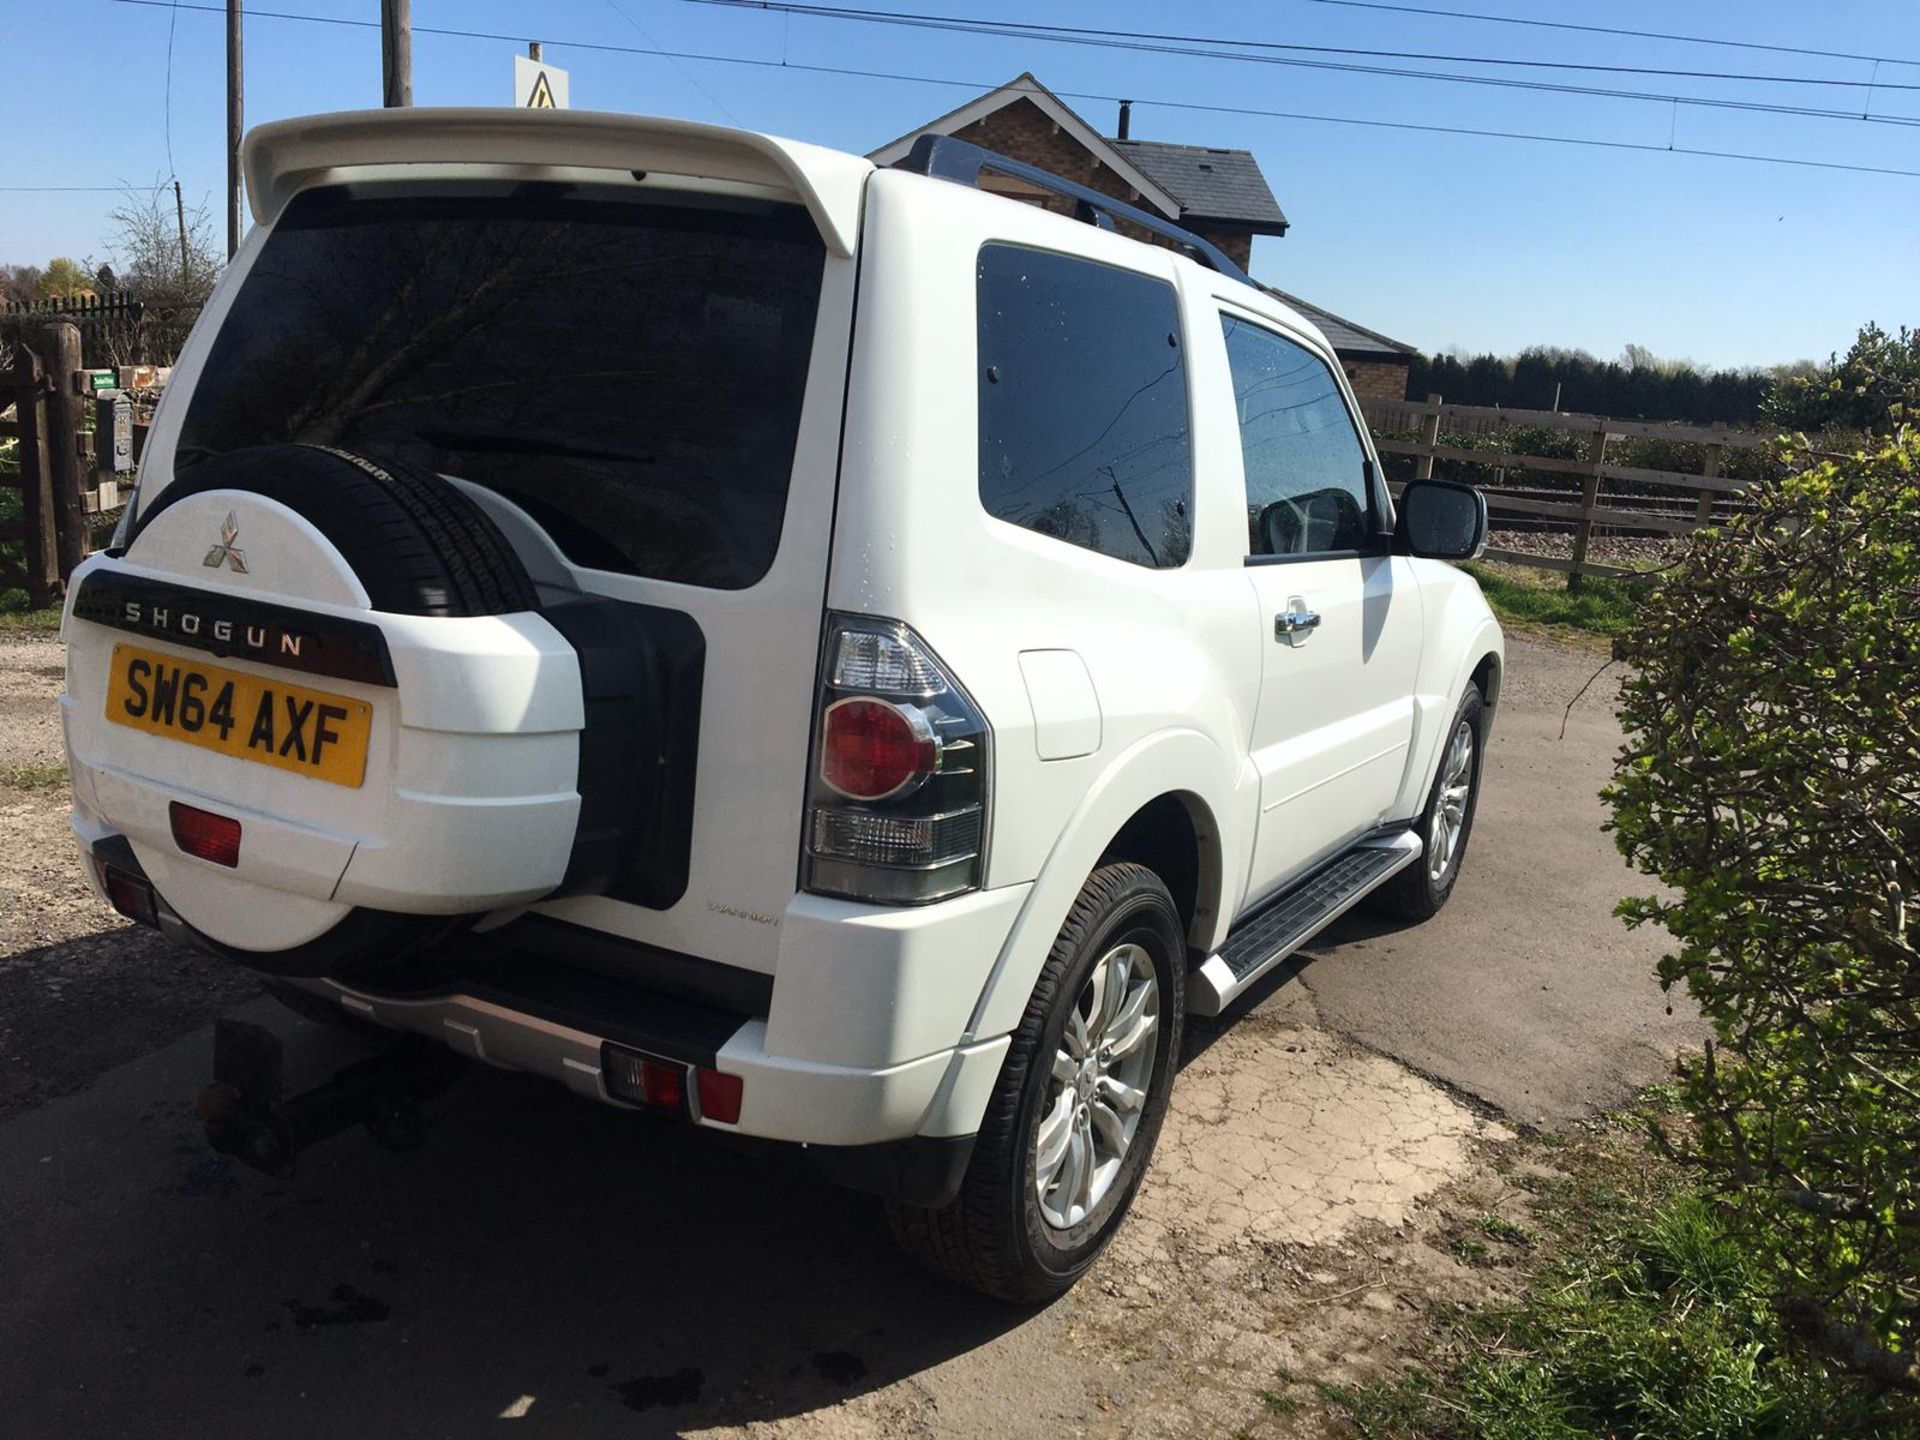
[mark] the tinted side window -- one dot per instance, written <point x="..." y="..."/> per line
<point x="1084" y="430"/>
<point x="1306" y="476"/>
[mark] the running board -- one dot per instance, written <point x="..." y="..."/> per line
<point x="1295" y="916"/>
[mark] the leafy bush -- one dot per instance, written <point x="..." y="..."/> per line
<point x="1771" y="780"/>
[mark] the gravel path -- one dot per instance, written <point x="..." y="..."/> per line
<point x="81" y="990"/>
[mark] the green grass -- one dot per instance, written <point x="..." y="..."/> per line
<point x="42" y="775"/>
<point x="15" y="616"/>
<point x="1644" y="1316"/>
<point x="1524" y="597"/>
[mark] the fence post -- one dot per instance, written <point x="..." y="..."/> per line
<point x="1703" y="515"/>
<point x="58" y="344"/>
<point x="1589" y="498"/>
<point x="39" y="553"/>
<point x="1430" y="437"/>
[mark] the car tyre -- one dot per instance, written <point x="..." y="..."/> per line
<point x="1056" y="1165"/>
<point x="1446" y="824"/>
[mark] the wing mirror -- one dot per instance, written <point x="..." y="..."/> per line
<point x="1439" y="520"/>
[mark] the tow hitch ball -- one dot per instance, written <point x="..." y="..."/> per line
<point x="246" y="1117"/>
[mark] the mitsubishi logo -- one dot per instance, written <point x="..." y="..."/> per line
<point x="226" y="551"/>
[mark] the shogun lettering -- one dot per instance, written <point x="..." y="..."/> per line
<point x="263" y="639"/>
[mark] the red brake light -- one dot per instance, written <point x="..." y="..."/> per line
<point x="871" y="749"/>
<point x="205" y="835"/>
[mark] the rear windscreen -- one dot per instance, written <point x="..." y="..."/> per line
<point x="628" y="367"/>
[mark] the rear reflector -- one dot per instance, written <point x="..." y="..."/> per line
<point x="204" y="835"/>
<point x="720" y="1096"/>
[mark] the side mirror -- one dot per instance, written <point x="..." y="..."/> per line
<point x="1439" y="520"/>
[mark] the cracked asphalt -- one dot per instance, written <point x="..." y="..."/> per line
<point x="564" y="1269"/>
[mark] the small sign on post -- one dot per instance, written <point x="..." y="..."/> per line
<point x="538" y="85"/>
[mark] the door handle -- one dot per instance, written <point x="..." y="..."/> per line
<point x="1295" y="623"/>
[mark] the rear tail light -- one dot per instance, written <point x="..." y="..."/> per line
<point x="896" y="806"/>
<point x="671" y="1087"/>
<point x="205" y="835"/>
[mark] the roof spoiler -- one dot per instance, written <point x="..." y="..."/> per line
<point x="289" y="155"/>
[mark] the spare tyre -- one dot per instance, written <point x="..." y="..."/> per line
<point x="315" y="694"/>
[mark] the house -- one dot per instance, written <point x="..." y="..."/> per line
<point x="1217" y="193"/>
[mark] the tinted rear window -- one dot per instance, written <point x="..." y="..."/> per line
<point x="1083" y="405"/>
<point x="626" y="366"/>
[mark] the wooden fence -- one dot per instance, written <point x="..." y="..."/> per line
<point x="42" y="410"/>
<point x="1434" y="420"/>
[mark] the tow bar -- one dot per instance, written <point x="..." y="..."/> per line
<point x="246" y="1117"/>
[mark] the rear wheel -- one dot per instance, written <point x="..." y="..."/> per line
<point x="1079" y="1104"/>
<point x="1446" y="824"/>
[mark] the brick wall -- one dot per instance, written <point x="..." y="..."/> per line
<point x="1378" y="379"/>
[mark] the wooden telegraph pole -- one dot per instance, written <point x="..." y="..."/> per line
<point x="236" y="112"/>
<point x="396" y="52"/>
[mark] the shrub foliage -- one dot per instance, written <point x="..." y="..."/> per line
<point x="1771" y="781"/>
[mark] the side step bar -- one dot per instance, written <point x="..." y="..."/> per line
<point x="1295" y="916"/>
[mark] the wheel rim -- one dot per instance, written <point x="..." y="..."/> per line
<point x="1449" y="819"/>
<point x="1097" y="1092"/>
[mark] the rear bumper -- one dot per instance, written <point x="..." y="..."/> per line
<point x="903" y="1128"/>
<point x="782" y="1098"/>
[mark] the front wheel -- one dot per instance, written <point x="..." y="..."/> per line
<point x="1418" y="892"/>
<point x="1079" y="1103"/>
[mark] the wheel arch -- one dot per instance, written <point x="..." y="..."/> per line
<point x="1167" y="801"/>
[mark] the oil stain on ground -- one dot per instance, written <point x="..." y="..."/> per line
<point x="643" y="1392"/>
<point x="345" y="1306"/>
<point x="839" y="1367"/>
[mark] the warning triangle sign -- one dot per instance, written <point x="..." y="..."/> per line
<point x="542" y="96"/>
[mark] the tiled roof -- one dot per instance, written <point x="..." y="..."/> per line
<point x="1342" y="334"/>
<point x="1209" y="183"/>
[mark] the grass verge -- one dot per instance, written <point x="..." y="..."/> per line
<point x="1643" y="1315"/>
<point x="1539" y="600"/>
<point x="41" y="775"/>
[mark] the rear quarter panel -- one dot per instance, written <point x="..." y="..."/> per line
<point x="1172" y="654"/>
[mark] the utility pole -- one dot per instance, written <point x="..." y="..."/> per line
<point x="180" y="214"/>
<point x="396" y="52"/>
<point x="236" y="123"/>
<point x="533" y="50"/>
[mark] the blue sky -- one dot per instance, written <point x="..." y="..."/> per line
<point x="1440" y="240"/>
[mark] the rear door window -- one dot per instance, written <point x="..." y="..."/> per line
<point x="1084" y="428"/>
<point x="1306" y="470"/>
<point x="626" y="365"/>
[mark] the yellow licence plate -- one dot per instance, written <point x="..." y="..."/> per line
<point x="249" y="716"/>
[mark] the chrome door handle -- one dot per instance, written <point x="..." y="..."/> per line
<point x="1297" y="621"/>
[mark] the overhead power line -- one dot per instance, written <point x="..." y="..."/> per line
<point x="1033" y="29"/>
<point x="1613" y="30"/>
<point x="1118" y="40"/>
<point x="76" y="189"/>
<point x="605" y="48"/>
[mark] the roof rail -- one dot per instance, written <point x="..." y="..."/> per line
<point x="945" y="158"/>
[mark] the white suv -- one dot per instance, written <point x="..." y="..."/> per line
<point x="828" y="653"/>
